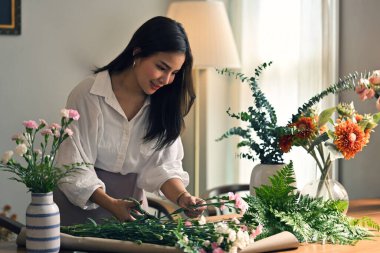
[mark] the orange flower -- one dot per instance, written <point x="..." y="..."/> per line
<point x="285" y="143"/>
<point x="305" y="127"/>
<point x="358" y="117"/>
<point x="350" y="138"/>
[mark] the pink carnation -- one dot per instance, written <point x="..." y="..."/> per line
<point x="74" y="114"/>
<point x="55" y="126"/>
<point x="257" y="231"/>
<point x="46" y="131"/>
<point x="31" y="124"/>
<point x="69" y="132"/>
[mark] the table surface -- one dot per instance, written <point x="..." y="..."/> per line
<point x="358" y="208"/>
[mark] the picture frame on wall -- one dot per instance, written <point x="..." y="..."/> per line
<point x="10" y="17"/>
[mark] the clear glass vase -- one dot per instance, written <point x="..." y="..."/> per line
<point x="326" y="189"/>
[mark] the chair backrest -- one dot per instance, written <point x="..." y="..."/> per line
<point x="222" y="190"/>
<point x="160" y="207"/>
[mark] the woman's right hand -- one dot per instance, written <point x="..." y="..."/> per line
<point x="122" y="210"/>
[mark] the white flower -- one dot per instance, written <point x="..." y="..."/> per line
<point x="6" y="156"/>
<point x="185" y="239"/>
<point x="202" y="220"/>
<point x="220" y="240"/>
<point x="65" y="113"/>
<point x="235" y="220"/>
<point x="206" y="243"/>
<point x="232" y="235"/>
<point x="21" y="149"/>
<point x="221" y="228"/>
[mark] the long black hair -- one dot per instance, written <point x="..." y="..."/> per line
<point x="171" y="103"/>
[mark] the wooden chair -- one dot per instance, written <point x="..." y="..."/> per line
<point x="222" y="190"/>
<point x="160" y="207"/>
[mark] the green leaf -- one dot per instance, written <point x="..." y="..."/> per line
<point x="325" y="115"/>
<point x="376" y="117"/>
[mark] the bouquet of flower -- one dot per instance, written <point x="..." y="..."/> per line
<point x="261" y="133"/>
<point x="188" y="235"/>
<point x="342" y="137"/>
<point x="39" y="173"/>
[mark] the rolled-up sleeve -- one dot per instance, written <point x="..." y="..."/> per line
<point x="161" y="166"/>
<point x="81" y="148"/>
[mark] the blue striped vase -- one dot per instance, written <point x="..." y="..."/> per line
<point x="42" y="224"/>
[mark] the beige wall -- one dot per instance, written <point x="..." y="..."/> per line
<point x="360" y="51"/>
<point x="61" y="41"/>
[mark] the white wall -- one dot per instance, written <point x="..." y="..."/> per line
<point x="60" y="42"/>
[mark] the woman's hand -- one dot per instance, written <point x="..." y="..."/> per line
<point x="124" y="210"/>
<point x="187" y="201"/>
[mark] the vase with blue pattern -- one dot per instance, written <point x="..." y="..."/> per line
<point x="42" y="224"/>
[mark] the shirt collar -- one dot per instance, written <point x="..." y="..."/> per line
<point x="103" y="87"/>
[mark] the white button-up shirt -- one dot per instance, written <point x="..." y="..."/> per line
<point x="105" y="138"/>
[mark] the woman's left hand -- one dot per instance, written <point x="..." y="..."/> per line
<point x="187" y="201"/>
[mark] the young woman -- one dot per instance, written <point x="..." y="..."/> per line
<point x="131" y="118"/>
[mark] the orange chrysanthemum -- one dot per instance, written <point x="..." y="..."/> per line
<point x="305" y="127"/>
<point x="350" y="138"/>
<point x="285" y="143"/>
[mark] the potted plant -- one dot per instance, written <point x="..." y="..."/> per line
<point x="261" y="132"/>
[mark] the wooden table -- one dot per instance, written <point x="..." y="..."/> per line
<point x="358" y="208"/>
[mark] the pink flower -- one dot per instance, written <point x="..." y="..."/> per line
<point x="375" y="77"/>
<point x="55" y="126"/>
<point x="46" y="131"/>
<point x="69" y="132"/>
<point x="31" y="124"/>
<point x="74" y="114"/>
<point x="43" y="122"/>
<point x="362" y="90"/>
<point x="218" y="250"/>
<point x="214" y="245"/>
<point x="243" y="228"/>
<point x="231" y="196"/>
<point x="202" y="251"/>
<point x="259" y="230"/>
<point x="188" y="223"/>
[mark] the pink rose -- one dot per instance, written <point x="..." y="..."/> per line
<point x="74" y="114"/>
<point x="31" y="124"/>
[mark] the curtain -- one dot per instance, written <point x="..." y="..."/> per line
<point x="300" y="38"/>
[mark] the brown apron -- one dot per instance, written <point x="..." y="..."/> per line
<point x="117" y="186"/>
